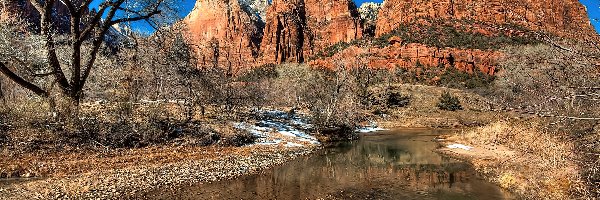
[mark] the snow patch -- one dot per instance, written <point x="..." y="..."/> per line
<point x="370" y="129"/>
<point x="460" y="146"/>
<point x="279" y="127"/>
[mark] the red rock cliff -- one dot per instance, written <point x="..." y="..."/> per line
<point x="296" y="29"/>
<point x="25" y="10"/>
<point x="332" y="21"/>
<point x="225" y="26"/>
<point x="285" y="32"/>
<point x="561" y="17"/>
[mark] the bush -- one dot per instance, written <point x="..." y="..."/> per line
<point x="459" y="79"/>
<point x="263" y="72"/>
<point x="395" y="99"/>
<point x="449" y="102"/>
<point x="239" y="138"/>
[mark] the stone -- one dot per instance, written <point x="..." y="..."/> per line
<point x="297" y="29"/>
<point x="226" y="33"/>
<point x="407" y="56"/>
<point x="566" y="18"/>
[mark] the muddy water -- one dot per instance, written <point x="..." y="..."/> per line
<point x="387" y="165"/>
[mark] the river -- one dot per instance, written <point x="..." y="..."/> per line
<point x="398" y="164"/>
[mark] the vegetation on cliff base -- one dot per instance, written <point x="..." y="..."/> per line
<point x="461" y="34"/>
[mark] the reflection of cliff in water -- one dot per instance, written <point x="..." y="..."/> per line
<point x="388" y="166"/>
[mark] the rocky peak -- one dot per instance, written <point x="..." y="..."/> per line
<point x="299" y="28"/>
<point x="560" y="17"/>
<point x="256" y="7"/>
<point x="230" y="25"/>
<point x="368" y="11"/>
<point x="25" y="10"/>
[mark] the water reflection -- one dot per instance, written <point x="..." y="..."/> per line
<point x="390" y="165"/>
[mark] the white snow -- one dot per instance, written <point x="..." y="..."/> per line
<point x="279" y="127"/>
<point x="372" y="127"/>
<point x="369" y="129"/>
<point x="292" y="144"/>
<point x="459" y="146"/>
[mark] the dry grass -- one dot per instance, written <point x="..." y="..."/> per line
<point x="542" y="166"/>
<point x="422" y="111"/>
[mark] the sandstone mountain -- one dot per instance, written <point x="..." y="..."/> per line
<point x="560" y="17"/>
<point x="297" y="29"/>
<point x="251" y="33"/>
<point x="26" y="11"/>
<point x="225" y="32"/>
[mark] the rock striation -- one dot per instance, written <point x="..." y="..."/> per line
<point x="561" y="17"/>
<point x="296" y="29"/>
<point x="332" y="21"/>
<point x="411" y="55"/>
<point x="226" y="33"/>
<point x="286" y="33"/>
<point x="246" y="33"/>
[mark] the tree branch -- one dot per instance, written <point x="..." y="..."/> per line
<point x="38" y="6"/>
<point x="130" y="19"/>
<point x="22" y="82"/>
<point x="94" y="22"/>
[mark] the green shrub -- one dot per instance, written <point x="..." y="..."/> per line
<point x="449" y="102"/>
<point x="396" y="99"/>
<point x="455" y="34"/>
<point x="459" y="79"/>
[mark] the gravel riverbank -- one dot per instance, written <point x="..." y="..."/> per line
<point x="214" y="164"/>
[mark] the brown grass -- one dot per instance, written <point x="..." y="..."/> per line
<point x="542" y="166"/>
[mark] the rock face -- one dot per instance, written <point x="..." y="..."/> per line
<point x="407" y="56"/>
<point x="560" y="17"/>
<point x="332" y="21"/>
<point x="25" y="10"/>
<point x="297" y="29"/>
<point x="285" y="33"/>
<point x="226" y="32"/>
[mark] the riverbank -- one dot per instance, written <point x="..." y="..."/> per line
<point x="53" y="172"/>
<point x="115" y="176"/>
<point x="521" y="158"/>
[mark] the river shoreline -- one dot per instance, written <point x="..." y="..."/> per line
<point x="118" y="173"/>
<point x="214" y="164"/>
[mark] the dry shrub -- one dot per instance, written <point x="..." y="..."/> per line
<point x="235" y="137"/>
<point x="561" y="84"/>
<point x="543" y="164"/>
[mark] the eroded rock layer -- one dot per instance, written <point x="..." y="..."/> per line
<point x="285" y="32"/>
<point x="225" y="32"/>
<point x="560" y="17"/>
<point x="412" y="55"/>
<point x="296" y="29"/>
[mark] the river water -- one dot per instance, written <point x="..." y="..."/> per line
<point x="397" y="164"/>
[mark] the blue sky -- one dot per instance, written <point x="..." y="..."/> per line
<point x="593" y="8"/>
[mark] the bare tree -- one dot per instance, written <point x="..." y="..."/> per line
<point x="86" y="28"/>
